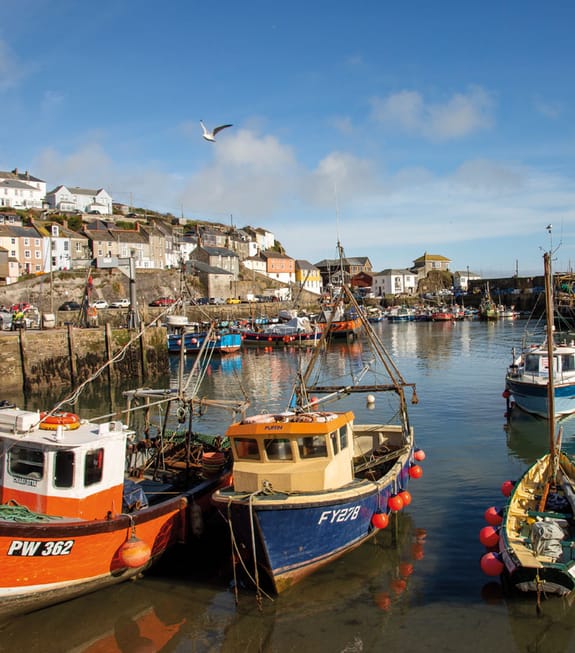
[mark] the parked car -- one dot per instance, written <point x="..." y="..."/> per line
<point x="70" y="306"/>
<point x="217" y="300"/>
<point x="100" y="303"/>
<point x="202" y="301"/>
<point x="162" y="301"/>
<point x="120" y="303"/>
<point x="232" y="300"/>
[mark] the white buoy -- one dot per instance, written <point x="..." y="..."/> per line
<point x="370" y="399"/>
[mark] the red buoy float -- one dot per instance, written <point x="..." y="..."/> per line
<point x="491" y="564"/>
<point x="415" y="471"/>
<point x="395" y="503"/>
<point x="405" y="569"/>
<point x="506" y="394"/>
<point x="405" y="497"/>
<point x="488" y="536"/>
<point x="380" y="520"/>
<point x="507" y="488"/>
<point x="419" y="454"/>
<point x="493" y="516"/>
<point x="134" y="553"/>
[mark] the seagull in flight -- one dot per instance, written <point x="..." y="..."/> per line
<point x="211" y="135"/>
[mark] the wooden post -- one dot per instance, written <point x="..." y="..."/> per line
<point x="143" y="357"/>
<point x="23" y="362"/>
<point x="109" y="351"/>
<point x="72" y="355"/>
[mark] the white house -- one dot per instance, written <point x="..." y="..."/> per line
<point x="64" y="198"/>
<point x="21" y="190"/>
<point x="394" y="282"/>
<point x="462" y="278"/>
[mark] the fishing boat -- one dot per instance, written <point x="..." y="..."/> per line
<point x="196" y="337"/>
<point x="340" y="321"/>
<point x="488" y="309"/>
<point x="310" y="484"/>
<point x="298" y="331"/>
<point x="527" y="378"/>
<point x="86" y="503"/>
<point x="401" y="314"/>
<point x="535" y="540"/>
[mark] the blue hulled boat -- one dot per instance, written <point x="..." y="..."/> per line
<point x="311" y="484"/>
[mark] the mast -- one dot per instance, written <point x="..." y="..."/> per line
<point x="550" y="343"/>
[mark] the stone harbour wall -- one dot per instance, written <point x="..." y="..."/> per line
<point x="32" y="360"/>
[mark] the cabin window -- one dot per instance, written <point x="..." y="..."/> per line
<point x="278" y="449"/>
<point x="343" y="442"/>
<point x="247" y="448"/>
<point x="567" y="363"/>
<point x="64" y="469"/>
<point x="532" y="364"/>
<point x="27" y="462"/>
<point x="334" y="442"/>
<point x="313" y="446"/>
<point x="93" y="466"/>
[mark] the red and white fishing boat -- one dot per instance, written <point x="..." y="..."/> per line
<point x="72" y="520"/>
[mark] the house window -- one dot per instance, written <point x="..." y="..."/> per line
<point x="37" y="254"/>
<point x="27" y="253"/>
<point x="26" y="242"/>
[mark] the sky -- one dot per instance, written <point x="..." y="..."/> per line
<point x="393" y="128"/>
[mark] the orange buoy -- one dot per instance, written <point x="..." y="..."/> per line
<point x="493" y="516"/>
<point x="488" y="536"/>
<point x="69" y="421"/>
<point x="405" y="497"/>
<point x="419" y="454"/>
<point x="134" y="553"/>
<point x="491" y="564"/>
<point x="507" y="488"/>
<point x="383" y="601"/>
<point x="380" y="520"/>
<point x="395" y="503"/>
<point x="398" y="586"/>
<point x="506" y="394"/>
<point x="415" y="471"/>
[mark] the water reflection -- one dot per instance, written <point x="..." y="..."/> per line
<point x="528" y="436"/>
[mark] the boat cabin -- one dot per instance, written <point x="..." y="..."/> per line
<point x="67" y="470"/>
<point x="291" y="452"/>
<point x="537" y="361"/>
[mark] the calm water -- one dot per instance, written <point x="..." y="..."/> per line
<point x="417" y="587"/>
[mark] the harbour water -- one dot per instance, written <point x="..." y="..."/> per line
<point x="418" y="586"/>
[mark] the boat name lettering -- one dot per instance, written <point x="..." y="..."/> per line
<point x="40" y="548"/>
<point x="277" y="427"/>
<point x="21" y="480"/>
<point x="343" y="514"/>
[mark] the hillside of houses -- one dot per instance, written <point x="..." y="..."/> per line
<point x="72" y="228"/>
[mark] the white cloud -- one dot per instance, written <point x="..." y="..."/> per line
<point x="461" y="115"/>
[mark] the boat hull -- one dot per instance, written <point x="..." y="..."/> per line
<point x="297" y="534"/>
<point x="224" y="343"/>
<point x="533" y="397"/>
<point x="255" y="339"/>
<point x="48" y="562"/>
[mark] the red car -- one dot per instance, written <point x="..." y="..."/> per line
<point x="162" y="301"/>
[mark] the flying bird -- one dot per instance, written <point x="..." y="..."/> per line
<point x="211" y="135"/>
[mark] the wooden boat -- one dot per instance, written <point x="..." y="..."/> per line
<point x="85" y="504"/>
<point x="535" y="540"/>
<point x="309" y="483"/>
<point x="401" y="314"/>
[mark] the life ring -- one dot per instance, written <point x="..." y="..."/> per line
<point x="69" y="421"/>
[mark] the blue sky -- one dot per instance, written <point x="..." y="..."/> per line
<point x="398" y="128"/>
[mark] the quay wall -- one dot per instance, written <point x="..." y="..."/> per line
<point x="33" y="360"/>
